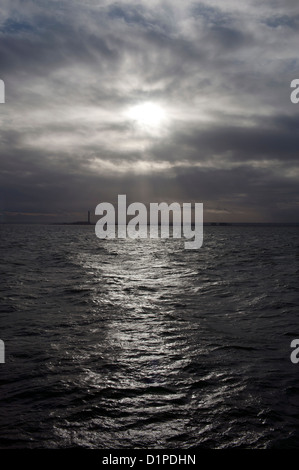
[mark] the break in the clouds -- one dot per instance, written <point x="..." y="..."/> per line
<point x="162" y="101"/>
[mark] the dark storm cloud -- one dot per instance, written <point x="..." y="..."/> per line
<point x="220" y="71"/>
<point x="211" y="15"/>
<point x="282" y="21"/>
<point x="38" y="53"/>
<point x="268" y="141"/>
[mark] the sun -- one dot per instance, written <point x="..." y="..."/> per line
<point x="149" y="116"/>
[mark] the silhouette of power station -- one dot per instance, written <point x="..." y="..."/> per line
<point x="2" y="352"/>
<point x="83" y="222"/>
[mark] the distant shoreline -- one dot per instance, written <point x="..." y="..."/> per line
<point x="206" y="224"/>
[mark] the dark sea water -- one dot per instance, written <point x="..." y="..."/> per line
<point x="143" y="344"/>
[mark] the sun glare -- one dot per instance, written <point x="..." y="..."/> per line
<point x="147" y="115"/>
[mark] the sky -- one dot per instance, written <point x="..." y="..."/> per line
<point x="173" y="101"/>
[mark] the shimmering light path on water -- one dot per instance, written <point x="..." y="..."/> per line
<point x="143" y="344"/>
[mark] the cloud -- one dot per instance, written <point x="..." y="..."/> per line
<point x="221" y="71"/>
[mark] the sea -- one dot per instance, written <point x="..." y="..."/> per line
<point x="122" y="343"/>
